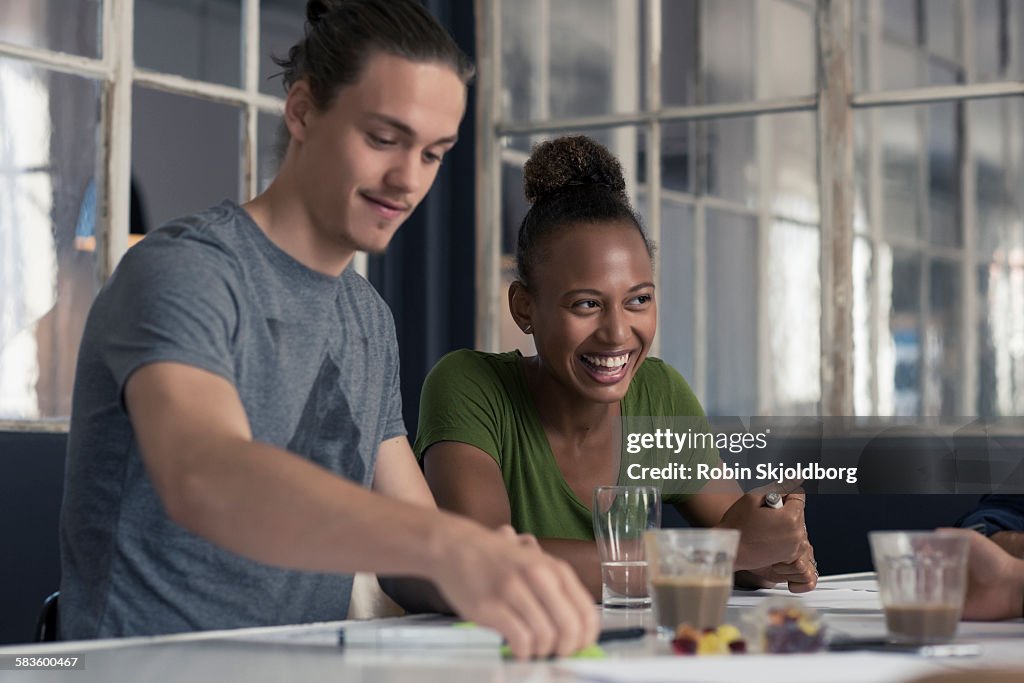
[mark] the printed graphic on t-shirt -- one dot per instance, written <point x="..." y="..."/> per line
<point x="327" y="433"/>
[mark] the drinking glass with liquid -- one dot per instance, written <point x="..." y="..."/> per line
<point x="922" y="577"/>
<point x="622" y="514"/>
<point x="691" y="575"/>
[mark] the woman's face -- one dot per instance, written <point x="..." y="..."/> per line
<point x="592" y="309"/>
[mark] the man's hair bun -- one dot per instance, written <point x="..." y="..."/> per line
<point x="317" y="9"/>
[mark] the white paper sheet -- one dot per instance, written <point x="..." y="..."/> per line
<point x="834" y="668"/>
<point x="836" y="599"/>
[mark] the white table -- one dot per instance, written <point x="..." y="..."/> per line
<point x="286" y="653"/>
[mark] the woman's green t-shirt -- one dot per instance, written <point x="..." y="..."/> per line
<point x="481" y="399"/>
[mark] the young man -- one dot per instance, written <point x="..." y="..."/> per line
<point x="237" y="387"/>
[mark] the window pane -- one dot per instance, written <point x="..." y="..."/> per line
<point x="1001" y="365"/>
<point x="679" y="52"/>
<point x="48" y="133"/>
<point x="900" y="356"/>
<point x="990" y="52"/>
<point x="71" y="26"/>
<point x="522" y="44"/>
<point x="732" y="314"/>
<point x="677" y="330"/>
<point x="941" y="19"/>
<point x="794" y="318"/>
<point x="942" y="341"/>
<point x="794" y="166"/>
<point x="185" y="153"/>
<point x="678" y="162"/>
<point x="997" y="156"/>
<point x="899" y="67"/>
<point x="944" y="174"/>
<point x="909" y="40"/>
<point x="901" y="169"/>
<point x="731" y="163"/>
<point x="791" y="40"/>
<point x="863" y="362"/>
<point x="726" y="48"/>
<point x="281" y="25"/>
<point x="268" y="155"/>
<point x="728" y="42"/>
<point x="198" y="39"/>
<point x="583" y="58"/>
<point x="900" y="21"/>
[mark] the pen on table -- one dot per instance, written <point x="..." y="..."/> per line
<point x="633" y="633"/>
<point x="773" y="500"/>
<point x="461" y="635"/>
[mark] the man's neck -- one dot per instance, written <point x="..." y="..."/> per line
<point x="287" y="223"/>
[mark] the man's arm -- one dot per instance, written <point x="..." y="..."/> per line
<point x="1010" y="541"/>
<point x="995" y="580"/>
<point x="465" y="480"/>
<point x="274" y="507"/>
<point x="398" y="476"/>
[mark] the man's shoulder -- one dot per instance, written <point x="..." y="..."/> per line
<point x="366" y="302"/>
<point x="189" y="240"/>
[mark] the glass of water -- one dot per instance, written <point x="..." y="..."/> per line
<point x="621" y="516"/>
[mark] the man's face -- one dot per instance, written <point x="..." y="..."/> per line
<point x="365" y="162"/>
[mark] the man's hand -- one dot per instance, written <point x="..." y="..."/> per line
<point x="507" y="583"/>
<point x="1010" y="541"/>
<point x="773" y="543"/>
<point x="995" y="580"/>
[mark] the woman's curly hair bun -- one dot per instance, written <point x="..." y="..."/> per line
<point x="569" y="161"/>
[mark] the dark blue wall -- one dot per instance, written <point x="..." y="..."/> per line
<point x="31" y="482"/>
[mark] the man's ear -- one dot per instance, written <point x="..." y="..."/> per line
<point x="298" y="107"/>
<point x="520" y="305"/>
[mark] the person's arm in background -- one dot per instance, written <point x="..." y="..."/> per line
<point x="466" y="480"/>
<point x="774" y="546"/>
<point x="995" y="580"/>
<point x="1001" y="518"/>
<point x="277" y="508"/>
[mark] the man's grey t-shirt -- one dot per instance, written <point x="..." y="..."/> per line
<point x="315" y="362"/>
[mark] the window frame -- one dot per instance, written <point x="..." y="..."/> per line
<point x="836" y="262"/>
<point x="118" y="73"/>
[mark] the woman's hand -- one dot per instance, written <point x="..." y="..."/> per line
<point x="773" y="542"/>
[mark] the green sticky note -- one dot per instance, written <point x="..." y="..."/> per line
<point x="591" y="652"/>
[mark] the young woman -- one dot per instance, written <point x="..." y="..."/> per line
<point x="509" y="439"/>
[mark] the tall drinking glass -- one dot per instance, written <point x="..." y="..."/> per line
<point x="621" y="516"/>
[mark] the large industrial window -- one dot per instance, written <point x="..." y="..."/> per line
<point x="115" y="116"/>
<point x="719" y="111"/>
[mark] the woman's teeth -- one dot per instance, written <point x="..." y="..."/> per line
<point x="607" y="361"/>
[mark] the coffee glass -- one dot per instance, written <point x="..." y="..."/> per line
<point x="922" y="576"/>
<point x="691" y="575"/>
<point x="621" y="516"/>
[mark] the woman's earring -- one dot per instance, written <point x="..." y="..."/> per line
<point x="528" y="329"/>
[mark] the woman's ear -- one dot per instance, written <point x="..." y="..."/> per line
<point x="297" y="109"/>
<point x="520" y="305"/>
